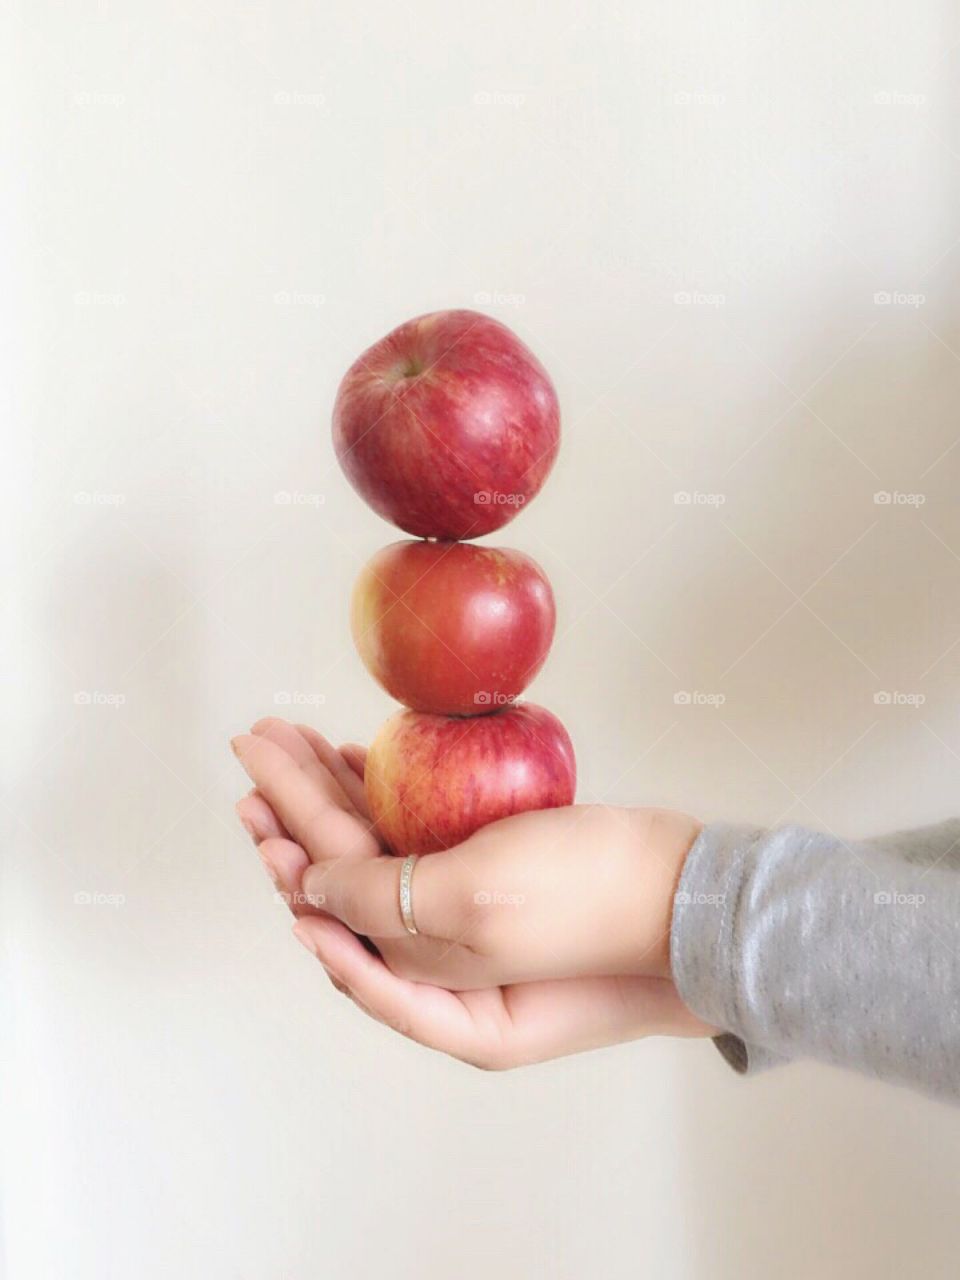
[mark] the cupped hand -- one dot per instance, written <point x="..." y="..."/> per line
<point x="542" y="934"/>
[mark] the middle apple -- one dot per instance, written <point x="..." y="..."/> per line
<point x="451" y="627"/>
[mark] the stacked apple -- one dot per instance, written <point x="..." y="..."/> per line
<point x="447" y="427"/>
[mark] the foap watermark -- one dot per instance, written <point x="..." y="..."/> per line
<point x="291" y="298"/>
<point x="294" y="498"/>
<point x="495" y="898"/>
<point x="97" y="698"/>
<point x="896" y="698"/>
<point x="299" y="899"/>
<point x="97" y="98"/>
<point x="694" y="298"/>
<point x="697" y="698"/>
<point x="898" y="298"/>
<point x="684" y="899"/>
<point x="496" y="298"/>
<point x="96" y="898"/>
<point x="898" y="98"/>
<point x="893" y="898"/>
<point x="494" y="698"/>
<point x="85" y="498"/>
<point x="298" y="698"/>
<point x="698" y="98"/>
<point x="91" y="298"/>
<point x="694" y="498"/>
<point x="498" y="98"/>
<point x="296" y="98"/>
<point x="494" y="498"/>
<point x="894" y="498"/>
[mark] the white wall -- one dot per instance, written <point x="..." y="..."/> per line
<point x="185" y="1095"/>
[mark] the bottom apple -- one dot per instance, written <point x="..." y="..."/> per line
<point x="433" y="780"/>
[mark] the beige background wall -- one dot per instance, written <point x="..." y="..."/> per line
<point x="688" y="211"/>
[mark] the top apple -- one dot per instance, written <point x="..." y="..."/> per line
<point x="447" y="426"/>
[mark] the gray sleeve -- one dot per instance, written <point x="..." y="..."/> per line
<point x="803" y="945"/>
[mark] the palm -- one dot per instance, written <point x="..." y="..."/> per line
<point x="325" y="817"/>
<point x="534" y="1021"/>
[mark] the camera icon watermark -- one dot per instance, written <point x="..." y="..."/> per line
<point x="297" y="698"/>
<point x="294" y="98"/>
<point x="291" y="298"/>
<point x="494" y="898"/>
<point x="299" y="899"/>
<point x="494" y="498"/>
<point x="894" y="698"/>
<point x="494" y="698"/>
<point x="294" y="498"/>
<point x="894" y="498"/>
<point x="898" y="298"/>
<point x="897" y="98"/>
<point x="498" y="98"/>
<point x="94" y="98"/>
<point x="95" y="898"/>
<point x="684" y="899"/>
<point x="96" y="698"/>
<point x="698" y="98"/>
<point x="494" y="298"/>
<point x="87" y="499"/>
<point x="694" y="498"/>
<point x="892" y="898"/>
<point x="697" y="698"/>
<point x="90" y="298"/>
<point x="694" y="298"/>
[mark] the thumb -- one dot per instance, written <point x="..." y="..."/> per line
<point x="365" y="894"/>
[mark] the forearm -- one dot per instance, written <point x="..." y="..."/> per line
<point x="801" y="944"/>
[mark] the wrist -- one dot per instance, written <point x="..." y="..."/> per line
<point x="661" y="841"/>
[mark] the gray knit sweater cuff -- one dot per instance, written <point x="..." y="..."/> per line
<point x="702" y="942"/>
<point x="798" y="943"/>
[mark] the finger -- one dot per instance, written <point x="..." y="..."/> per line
<point x="439" y="962"/>
<point x="365" y="894"/>
<point x="498" y="1028"/>
<point x="287" y="867"/>
<point x="285" y="735"/>
<point x="316" y="821"/>
<point x="293" y="742"/>
<point x="429" y="1015"/>
<point x="345" y="991"/>
<point x="320" y="761"/>
<point x="356" y="757"/>
<point x="258" y="819"/>
<point x="332" y="760"/>
<point x="285" y="862"/>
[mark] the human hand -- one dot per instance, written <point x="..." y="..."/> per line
<point x="580" y="894"/>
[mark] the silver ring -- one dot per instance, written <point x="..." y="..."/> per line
<point x="406" y="893"/>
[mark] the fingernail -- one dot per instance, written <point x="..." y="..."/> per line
<point x="271" y="870"/>
<point x="234" y="748"/>
<point x="245" y="822"/>
<point x="335" y="981"/>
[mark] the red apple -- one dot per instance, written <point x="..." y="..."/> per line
<point x="447" y="426"/>
<point x="431" y="781"/>
<point x="450" y="627"/>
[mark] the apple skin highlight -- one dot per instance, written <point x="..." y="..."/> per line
<point x="448" y="426"/>
<point x="452" y="628"/>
